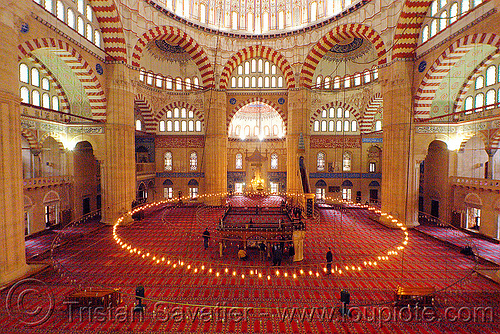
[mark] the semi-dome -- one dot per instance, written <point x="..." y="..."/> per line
<point x="255" y="16"/>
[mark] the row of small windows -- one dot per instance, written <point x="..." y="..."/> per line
<point x="257" y="82"/>
<point x="253" y="20"/>
<point x="81" y="23"/>
<point x="168" y="190"/>
<point x="488" y="99"/>
<point x="331" y="126"/>
<point x="38" y="100"/>
<point x="160" y="81"/>
<point x="32" y="77"/>
<point x="348" y="81"/>
<point x="247" y="131"/>
<point x="183" y="126"/>
<point x="169" y="162"/>
<point x="443" y="14"/>
<point x="239" y="161"/>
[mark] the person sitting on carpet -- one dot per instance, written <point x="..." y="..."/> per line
<point x="242" y="254"/>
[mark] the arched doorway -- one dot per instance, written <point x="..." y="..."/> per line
<point x="87" y="176"/>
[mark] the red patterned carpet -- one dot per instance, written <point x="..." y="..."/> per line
<point x="175" y="233"/>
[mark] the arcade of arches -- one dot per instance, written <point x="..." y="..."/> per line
<point x="108" y="104"/>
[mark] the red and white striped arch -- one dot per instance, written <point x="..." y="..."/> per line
<point x="408" y="28"/>
<point x="472" y="77"/>
<point x="178" y="37"/>
<point x="273" y="105"/>
<point x="253" y="52"/>
<point x="335" y="104"/>
<point x="111" y="28"/>
<point x="142" y="106"/>
<point x="430" y="83"/>
<point x="372" y="108"/>
<point x="335" y="36"/>
<point x="180" y="105"/>
<point x="31" y="138"/>
<point x="78" y="65"/>
<point x="63" y="99"/>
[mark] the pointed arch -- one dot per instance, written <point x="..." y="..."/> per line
<point x="257" y="51"/>
<point x="31" y="138"/>
<point x="142" y="106"/>
<point x="177" y="36"/>
<point x="430" y="83"/>
<point x="256" y="99"/>
<point x="78" y="65"/>
<point x="63" y="99"/>
<point x="467" y="136"/>
<point x="374" y="105"/>
<point x="111" y="29"/>
<point x="56" y="136"/>
<point x="336" y="104"/>
<point x="179" y="104"/>
<point x="335" y="36"/>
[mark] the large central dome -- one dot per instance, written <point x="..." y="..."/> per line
<point x="255" y="16"/>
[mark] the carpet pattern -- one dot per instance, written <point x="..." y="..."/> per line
<point x="96" y="259"/>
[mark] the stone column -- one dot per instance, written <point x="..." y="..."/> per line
<point x="215" y="157"/>
<point x="299" y="102"/>
<point x="399" y="173"/>
<point x="118" y="161"/>
<point x="491" y="163"/>
<point x="12" y="255"/>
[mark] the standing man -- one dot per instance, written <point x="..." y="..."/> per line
<point x="206" y="237"/>
<point x="329" y="259"/>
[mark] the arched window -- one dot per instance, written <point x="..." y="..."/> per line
<point x="234" y="21"/>
<point x="167" y="162"/>
<point x="193" y="161"/>
<point x="188" y="83"/>
<point x="183" y="126"/>
<point x="55" y="103"/>
<point x="346" y="162"/>
<point x="281" y="20"/>
<point x="247" y="67"/>
<point x="48" y="5"/>
<point x="191" y="126"/>
<point x="25" y="95"/>
<point x="138" y="125"/>
<point x="338" y="126"/>
<point x="60" y="10"/>
<point x="169" y="83"/>
<point x="347" y="82"/>
<point x="316" y="126"/>
<point x="24" y="73"/>
<point x="46" y="100"/>
<point x="331" y="126"/>
<point x="357" y="79"/>
<point x="149" y="79"/>
<point x="425" y="34"/>
<point x="320" y="162"/>
<point x="81" y="26"/>
<point x="71" y="18"/>
<point x="169" y="126"/>
<point x="479" y="102"/>
<point x="327" y="82"/>
<point x="203" y="13"/>
<point x="162" y="126"/>
<point x="233" y="82"/>
<point x="479" y="82"/>
<point x="45" y="84"/>
<point x="35" y="77"/>
<point x="314" y="12"/>
<point x="324" y="113"/>
<point x="178" y="84"/>
<point x="274" y="161"/>
<point x="490" y="99"/>
<point x="346" y="125"/>
<point x="453" y="12"/>
<point x="89" y="13"/>
<point x="331" y="112"/>
<point x="354" y="126"/>
<point x="266" y="67"/>
<point x="339" y="112"/>
<point x="81" y="6"/>
<point x="198" y="126"/>
<point x="280" y="82"/>
<point x="247" y="82"/>
<point x="159" y="80"/>
<point x="168" y="188"/>
<point x="443" y="20"/>
<point x="323" y="126"/>
<point x="239" y="161"/>
<point x="434" y="28"/>
<point x="491" y="75"/>
<point x="35" y="98"/>
<point x="367" y="77"/>
<point x="89" y="35"/>
<point x="378" y="125"/>
<point x="177" y="127"/>
<point x="141" y="75"/>
<point x="319" y="79"/>
<point x="468" y="103"/>
<point x="196" y="82"/>
<point x="336" y="83"/>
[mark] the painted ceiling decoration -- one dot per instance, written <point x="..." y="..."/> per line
<point x="162" y="50"/>
<point x="351" y="48"/>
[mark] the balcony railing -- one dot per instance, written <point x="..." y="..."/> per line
<point x="145" y="168"/>
<point x="49" y="181"/>
<point x="33" y="111"/>
<point x="469" y="182"/>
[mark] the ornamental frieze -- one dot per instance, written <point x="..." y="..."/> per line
<point x="180" y="141"/>
<point x="335" y="141"/>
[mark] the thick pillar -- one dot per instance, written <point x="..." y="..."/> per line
<point x="399" y="167"/>
<point x="215" y="164"/>
<point x="297" y="136"/>
<point x="12" y="255"/>
<point x="117" y="153"/>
